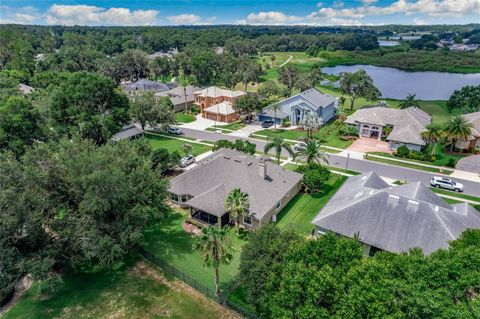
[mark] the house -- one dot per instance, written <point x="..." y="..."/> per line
<point x="169" y="54"/>
<point x="394" y="218"/>
<point x="204" y="188"/>
<point x="143" y="85"/>
<point x="25" y="89"/>
<point x="130" y="131"/>
<point x="464" y="47"/>
<point x="217" y="104"/>
<point x="474" y="139"/>
<point x="406" y="125"/>
<point x="296" y="107"/>
<point x="180" y="96"/>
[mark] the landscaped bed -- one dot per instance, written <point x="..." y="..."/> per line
<point x="135" y="289"/>
<point x="172" y="144"/>
<point x="169" y="242"/>
<point x="300" y="211"/>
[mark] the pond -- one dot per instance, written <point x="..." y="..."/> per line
<point x="387" y="43"/>
<point x="397" y="84"/>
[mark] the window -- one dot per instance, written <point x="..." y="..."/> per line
<point x="277" y="207"/>
<point x="184" y="198"/>
<point x="174" y="198"/>
<point x="247" y="220"/>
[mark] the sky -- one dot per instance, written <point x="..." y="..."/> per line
<point x="260" y="12"/>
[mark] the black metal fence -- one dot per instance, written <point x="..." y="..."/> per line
<point x="206" y="291"/>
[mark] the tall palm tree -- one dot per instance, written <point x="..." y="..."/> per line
<point x="312" y="153"/>
<point x="278" y="144"/>
<point x="275" y="107"/>
<point x="215" y="247"/>
<point x="184" y="83"/>
<point x="431" y="137"/>
<point x="237" y="205"/>
<point x="409" y="101"/>
<point x="342" y="101"/>
<point x="457" y="129"/>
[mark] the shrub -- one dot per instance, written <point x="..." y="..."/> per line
<point x="239" y="145"/>
<point x="164" y="161"/>
<point x="451" y="162"/>
<point x="314" y="177"/>
<point x="403" y="151"/>
<point x="286" y="122"/>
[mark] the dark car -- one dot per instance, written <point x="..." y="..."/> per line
<point x="267" y="123"/>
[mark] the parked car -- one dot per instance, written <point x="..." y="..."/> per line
<point x="300" y="146"/>
<point x="267" y="123"/>
<point x="187" y="160"/>
<point x="447" y="183"/>
<point x="175" y="130"/>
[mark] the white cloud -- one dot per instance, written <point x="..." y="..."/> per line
<point x="92" y="15"/>
<point x="190" y="19"/>
<point x="270" y="18"/>
<point x="22" y="15"/>
<point x="367" y="2"/>
<point x="419" y="21"/>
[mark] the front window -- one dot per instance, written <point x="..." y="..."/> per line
<point x="184" y="198"/>
<point x="174" y="197"/>
<point x="247" y="220"/>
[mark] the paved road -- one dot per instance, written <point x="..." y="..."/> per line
<point x="394" y="172"/>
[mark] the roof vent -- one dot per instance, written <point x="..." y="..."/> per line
<point x="436" y="208"/>
<point x="226" y="157"/>
<point x="237" y="160"/>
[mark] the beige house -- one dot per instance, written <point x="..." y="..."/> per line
<point x="204" y="188"/>
<point x="474" y="139"/>
<point x="217" y="104"/>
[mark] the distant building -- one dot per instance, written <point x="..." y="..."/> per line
<point x="143" y="85"/>
<point x="25" y="89"/>
<point x="169" y="54"/>
<point x="130" y="131"/>
<point x="217" y="104"/>
<point x="296" y="107"/>
<point x="474" y="139"/>
<point x="406" y="125"/>
<point x="394" y="218"/>
<point x="464" y="47"/>
<point x="179" y="96"/>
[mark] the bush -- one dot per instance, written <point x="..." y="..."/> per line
<point x="195" y="110"/>
<point x="315" y="177"/>
<point x="239" y="145"/>
<point x="403" y="151"/>
<point x="451" y="162"/>
<point x="286" y="122"/>
<point x="164" y="161"/>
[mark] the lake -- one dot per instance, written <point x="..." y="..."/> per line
<point x="397" y="84"/>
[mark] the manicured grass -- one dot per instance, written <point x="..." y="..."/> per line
<point x="169" y="242"/>
<point x="172" y="144"/>
<point x="231" y="126"/>
<point x="134" y="290"/>
<point x="184" y="118"/>
<point x="327" y="133"/>
<point x="293" y="167"/>
<point x="452" y="193"/>
<point x="410" y="165"/>
<point x="300" y="211"/>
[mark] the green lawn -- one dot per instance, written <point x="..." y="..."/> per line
<point x="172" y="244"/>
<point x="410" y="165"/>
<point x="134" y="290"/>
<point x="300" y="211"/>
<point x="452" y="193"/>
<point x="172" y="144"/>
<point x="231" y="126"/>
<point x="184" y="118"/>
<point x="329" y="136"/>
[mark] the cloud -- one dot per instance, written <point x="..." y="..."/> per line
<point x="269" y="18"/>
<point x="419" y="21"/>
<point x="92" y="15"/>
<point x="190" y="19"/>
<point x="22" y="15"/>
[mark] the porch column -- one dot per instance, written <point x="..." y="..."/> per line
<point x="380" y="131"/>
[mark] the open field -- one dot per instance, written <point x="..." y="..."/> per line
<point x="169" y="242"/>
<point x="172" y="144"/>
<point x="134" y="290"/>
<point x="300" y="211"/>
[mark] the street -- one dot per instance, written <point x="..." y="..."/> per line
<point x="390" y="171"/>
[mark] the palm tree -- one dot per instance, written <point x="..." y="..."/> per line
<point x="237" y="205"/>
<point x="278" y="144"/>
<point x="431" y="137"/>
<point x="275" y="107"/>
<point x="312" y="153"/>
<point x="184" y="83"/>
<point x="214" y="245"/>
<point x="409" y="101"/>
<point x="342" y="101"/>
<point x="457" y="129"/>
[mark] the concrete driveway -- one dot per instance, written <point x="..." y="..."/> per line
<point x="364" y="145"/>
<point x="469" y="164"/>
<point x="200" y="123"/>
<point x="245" y="132"/>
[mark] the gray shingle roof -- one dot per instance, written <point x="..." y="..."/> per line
<point x="177" y="94"/>
<point x="128" y="131"/>
<point x="216" y="175"/>
<point x="317" y="98"/>
<point x="474" y="119"/>
<point x="396" y="218"/>
<point x="146" y="85"/>
<point x="407" y="123"/>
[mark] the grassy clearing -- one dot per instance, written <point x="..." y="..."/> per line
<point x="184" y="118"/>
<point x="300" y="211"/>
<point x="172" y="144"/>
<point x="329" y="136"/>
<point x="410" y="165"/>
<point x="168" y="241"/>
<point x="134" y="290"/>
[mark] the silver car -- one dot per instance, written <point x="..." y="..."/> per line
<point x="187" y="160"/>
<point x="175" y="130"/>
<point x="447" y="183"/>
<point x="300" y="146"/>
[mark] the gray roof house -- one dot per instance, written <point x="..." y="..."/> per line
<point x="296" y="107"/>
<point x="394" y="218"/>
<point x="177" y="96"/>
<point x="204" y="188"/>
<point x="130" y="131"/>
<point x="406" y="124"/>
<point x="145" y="85"/>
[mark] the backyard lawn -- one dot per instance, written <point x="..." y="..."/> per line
<point x="184" y="118"/>
<point x="300" y="211"/>
<point x="134" y="290"/>
<point x="169" y="242"/>
<point x="172" y="144"/>
<point x="329" y="135"/>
